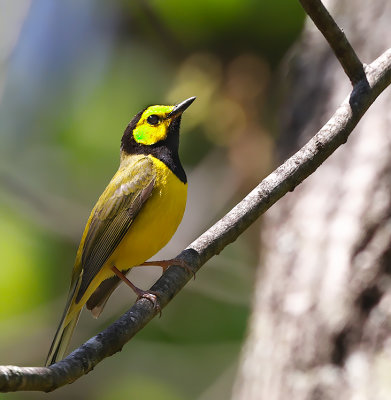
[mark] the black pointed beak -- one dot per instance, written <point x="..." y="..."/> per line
<point x="180" y="108"/>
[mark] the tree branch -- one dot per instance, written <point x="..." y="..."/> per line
<point x="225" y="231"/>
<point x="337" y="40"/>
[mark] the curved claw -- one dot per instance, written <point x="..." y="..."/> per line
<point x="152" y="297"/>
<point x="187" y="267"/>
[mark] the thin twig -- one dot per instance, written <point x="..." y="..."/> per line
<point x="277" y="184"/>
<point x="337" y="40"/>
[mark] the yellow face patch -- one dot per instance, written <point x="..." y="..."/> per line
<point x="153" y="125"/>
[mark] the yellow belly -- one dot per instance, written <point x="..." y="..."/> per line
<point x="152" y="229"/>
<point x="155" y="224"/>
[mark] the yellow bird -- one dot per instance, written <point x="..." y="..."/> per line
<point x="135" y="216"/>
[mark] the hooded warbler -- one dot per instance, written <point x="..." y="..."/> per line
<point x="136" y="215"/>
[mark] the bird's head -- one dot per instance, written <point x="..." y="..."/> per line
<point x="153" y="127"/>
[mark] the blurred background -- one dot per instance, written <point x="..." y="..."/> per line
<point x="72" y="75"/>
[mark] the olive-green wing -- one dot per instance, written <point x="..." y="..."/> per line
<point x="115" y="211"/>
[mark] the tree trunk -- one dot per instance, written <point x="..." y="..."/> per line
<point x="321" y="321"/>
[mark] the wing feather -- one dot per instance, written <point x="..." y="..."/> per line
<point x="113" y="216"/>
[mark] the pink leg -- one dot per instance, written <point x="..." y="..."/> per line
<point x="166" y="263"/>
<point x="141" y="294"/>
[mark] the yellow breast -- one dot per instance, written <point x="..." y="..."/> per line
<point x="156" y="223"/>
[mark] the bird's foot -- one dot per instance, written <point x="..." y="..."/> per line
<point x="151" y="296"/>
<point x="141" y="294"/>
<point x="167" y="263"/>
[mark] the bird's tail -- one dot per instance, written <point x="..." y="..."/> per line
<point x="65" y="328"/>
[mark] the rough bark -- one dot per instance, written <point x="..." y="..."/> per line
<point x="321" y="325"/>
<point x="377" y="76"/>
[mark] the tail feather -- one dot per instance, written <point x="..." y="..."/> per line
<point x="65" y="328"/>
<point x="61" y="342"/>
<point x="99" y="297"/>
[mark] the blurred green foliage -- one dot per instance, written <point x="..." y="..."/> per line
<point x="72" y="76"/>
<point x="232" y="26"/>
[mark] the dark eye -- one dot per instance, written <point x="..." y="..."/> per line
<point x="153" y="119"/>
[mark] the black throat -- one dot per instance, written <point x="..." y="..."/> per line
<point x="166" y="150"/>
